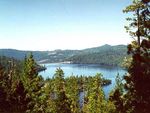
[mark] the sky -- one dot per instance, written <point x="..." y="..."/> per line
<point x="62" y="24"/>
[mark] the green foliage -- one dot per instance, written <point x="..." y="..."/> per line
<point x="3" y="89"/>
<point x="12" y="91"/>
<point x="94" y="96"/>
<point x="116" y="95"/>
<point x="135" y="98"/>
<point x="72" y="90"/>
<point x="95" y="100"/>
<point x="61" y="100"/>
<point x="19" y="55"/>
<point x="106" y="55"/>
<point x="33" y="85"/>
<point x="137" y="81"/>
<point x="139" y="23"/>
<point x="22" y="90"/>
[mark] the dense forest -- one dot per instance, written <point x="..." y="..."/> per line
<point x="105" y="55"/>
<point x="23" y="90"/>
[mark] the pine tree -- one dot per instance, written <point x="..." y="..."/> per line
<point x="12" y="93"/>
<point x="95" y="97"/>
<point x="116" y="95"/>
<point x="3" y="90"/>
<point x="49" y="96"/>
<point x="33" y="84"/>
<point x="137" y="99"/>
<point x="61" y="100"/>
<point x="72" y="90"/>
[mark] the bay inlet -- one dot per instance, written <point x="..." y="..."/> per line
<point x="85" y="70"/>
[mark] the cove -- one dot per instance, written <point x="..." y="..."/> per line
<point x="108" y="72"/>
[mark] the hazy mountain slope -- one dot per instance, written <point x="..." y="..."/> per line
<point x="58" y="55"/>
<point x="7" y="62"/>
<point x="106" y="54"/>
<point x="18" y="54"/>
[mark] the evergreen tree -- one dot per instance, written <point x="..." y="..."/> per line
<point x="95" y="97"/>
<point x="136" y="97"/>
<point x="33" y="84"/>
<point x="3" y="90"/>
<point x="12" y="93"/>
<point x="17" y="100"/>
<point x="61" y="100"/>
<point x="49" y="96"/>
<point x="72" y="90"/>
<point x="30" y="67"/>
<point x="116" y="95"/>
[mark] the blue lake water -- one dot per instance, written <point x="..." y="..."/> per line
<point x="85" y="70"/>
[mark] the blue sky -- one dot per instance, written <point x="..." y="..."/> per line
<point x="62" y="24"/>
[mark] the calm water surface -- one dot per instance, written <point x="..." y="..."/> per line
<point x="85" y="70"/>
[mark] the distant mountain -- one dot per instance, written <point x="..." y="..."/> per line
<point x="106" y="55"/>
<point x="18" y="54"/>
<point x="7" y="62"/>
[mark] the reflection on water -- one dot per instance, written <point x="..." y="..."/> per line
<point x="108" y="72"/>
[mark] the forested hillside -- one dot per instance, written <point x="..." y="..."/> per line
<point x="19" y="54"/>
<point x="23" y="90"/>
<point x="106" y="55"/>
<point x="8" y="63"/>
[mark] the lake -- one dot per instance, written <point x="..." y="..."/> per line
<point x="85" y="70"/>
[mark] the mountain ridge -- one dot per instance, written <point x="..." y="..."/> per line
<point x="101" y="55"/>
